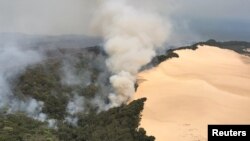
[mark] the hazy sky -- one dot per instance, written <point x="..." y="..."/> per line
<point x="191" y="19"/>
<point x="219" y="19"/>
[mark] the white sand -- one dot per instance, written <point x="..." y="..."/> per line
<point x="206" y="86"/>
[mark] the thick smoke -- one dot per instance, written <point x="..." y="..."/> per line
<point x="13" y="61"/>
<point x="131" y="37"/>
<point x="75" y="106"/>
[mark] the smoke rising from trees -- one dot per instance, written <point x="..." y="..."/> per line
<point x="131" y="37"/>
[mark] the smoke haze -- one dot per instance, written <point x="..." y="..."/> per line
<point x="13" y="62"/>
<point x="192" y="20"/>
<point x="131" y="37"/>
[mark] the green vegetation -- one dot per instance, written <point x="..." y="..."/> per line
<point x="43" y="82"/>
<point x="170" y="54"/>
<point x="237" y="46"/>
<point x="161" y="58"/>
<point x="116" y="124"/>
<point x="18" y="127"/>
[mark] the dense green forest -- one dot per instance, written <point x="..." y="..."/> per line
<point x="116" y="124"/>
<point x="44" y="82"/>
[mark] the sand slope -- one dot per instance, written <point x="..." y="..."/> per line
<point x="206" y="86"/>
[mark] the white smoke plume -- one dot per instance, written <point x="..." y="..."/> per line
<point x="75" y="106"/>
<point x="131" y="37"/>
<point x="13" y="61"/>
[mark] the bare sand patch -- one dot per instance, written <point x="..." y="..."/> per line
<point x="206" y="86"/>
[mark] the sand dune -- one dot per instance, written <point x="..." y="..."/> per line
<point x="206" y="86"/>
